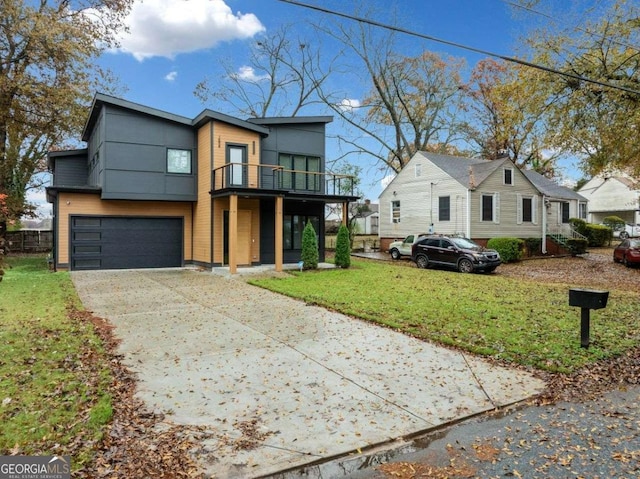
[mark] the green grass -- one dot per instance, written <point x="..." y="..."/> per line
<point x="512" y="320"/>
<point x="54" y="375"/>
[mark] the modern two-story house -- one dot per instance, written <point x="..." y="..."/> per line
<point x="476" y="198"/>
<point x="154" y="189"/>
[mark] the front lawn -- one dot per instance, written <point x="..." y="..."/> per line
<point x="515" y="320"/>
<point x="54" y="374"/>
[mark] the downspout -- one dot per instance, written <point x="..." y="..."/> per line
<point x="468" y="226"/>
<point x="544" y="224"/>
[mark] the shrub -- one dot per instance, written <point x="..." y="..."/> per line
<point x="310" y="255"/>
<point x="343" y="248"/>
<point x="533" y="246"/>
<point x="579" y="225"/>
<point x="510" y="249"/>
<point x="614" y="222"/>
<point x="577" y="246"/>
<point x="598" y="235"/>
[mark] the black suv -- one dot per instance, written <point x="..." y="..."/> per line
<point x="458" y="253"/>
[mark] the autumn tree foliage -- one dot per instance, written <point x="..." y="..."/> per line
<point x="47" y="77"/>
<point x="508" y="112"/>
<point x="310" y="255"/>
<point x="594" y="121"/>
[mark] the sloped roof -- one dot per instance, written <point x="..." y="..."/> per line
<point x="469" y="172"/>
<point x="551" y="188"/>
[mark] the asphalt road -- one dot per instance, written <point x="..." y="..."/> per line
<point x="596" y="439"/>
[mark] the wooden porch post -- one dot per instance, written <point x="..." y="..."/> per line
<point x="279" y="228"/>
<point x="345" y="212"/>
<point x="233" y="233"/>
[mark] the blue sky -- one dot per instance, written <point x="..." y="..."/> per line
<point x="172" y="45"/>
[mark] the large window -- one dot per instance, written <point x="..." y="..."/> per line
<point x="565" y="212"/>
<point x="583" y="211"/>
<point x="178" y="161"/>
<point x="444" y="208"/>
<point x="527" y="210"/>
<point x="293" y="228"/>
<point x="395" y="211"/>
<point x="301" y="172"/>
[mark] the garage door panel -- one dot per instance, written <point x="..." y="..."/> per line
<point x="132" y="242"/>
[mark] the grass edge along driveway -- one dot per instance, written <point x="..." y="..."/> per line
<point x="54" y="372"/>
<point x="513" y="320"/>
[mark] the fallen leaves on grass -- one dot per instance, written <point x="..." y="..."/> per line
<point x="137" y="444"/>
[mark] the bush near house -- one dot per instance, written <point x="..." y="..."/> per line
<point x="598" y="235"/>
<point x="343" y="248"/>
<point x="510" y="249"/>
<point x="577" y="246"/>
<point x="613" y="222"/>
<point x="310" y="255"/>
<point x="533" y="246"/>
<point x="579" y="225"/>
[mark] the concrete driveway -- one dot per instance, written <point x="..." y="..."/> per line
<point x="280" y="384"/>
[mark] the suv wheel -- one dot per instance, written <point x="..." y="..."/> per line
<point x="422" y="261"/>
<point x="465" y="265"/>
<point x="395" y="254"/>
<point x="624" y="235"/>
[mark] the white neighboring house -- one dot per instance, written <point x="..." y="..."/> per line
<point x="366" y="217"/>
<point x="612" y="195"/>
<point x="479" y="199"/>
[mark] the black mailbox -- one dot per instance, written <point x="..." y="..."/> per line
<point x="587" y="298"/>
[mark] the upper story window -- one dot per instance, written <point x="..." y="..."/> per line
<point x="178" y="161"/>
<point x="395" y="211"/>
<point x="418" y="170"/>
<point x="508" y="176"/>
<point x="301" y="172"/>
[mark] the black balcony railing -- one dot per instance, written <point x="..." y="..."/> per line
<point x="271" y="177"/>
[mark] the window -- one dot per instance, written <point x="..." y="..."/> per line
<point x="583" y="211"/>
<point x="565" y="212"/>
<point x="395" y="211"/>
<point x="418" y="170"/>
<point x="527" y="210"/>
<point x="293" y="226"/>
<point x="444" y="208"/>
<point x="487" y="207"/>
<point x="508" y="176"/>
<point x="178" y="161"/>
<point x="236" y="157"/>
<point x="301" y="172"/>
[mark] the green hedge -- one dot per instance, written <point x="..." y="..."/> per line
<point x="343" y="248"/>
<point x="579" y="225"/>
<point x="577" y="246"/>
<point x="533" y="246"/>
<point x="510" y="249"/>
<point x="598" y="235"/>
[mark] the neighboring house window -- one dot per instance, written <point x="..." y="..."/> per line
<point x="527" y="209"/>
<point x="395" y="211"/>
<point x="565" y="212"/>
<point x="583" y="211"/>
<point x="293" y="226"/>
<point x="301" y="172"/>
<point x="490" y="207"/>
<point x="444" y="208"/>
<point x="236" y="158"/>
<point x="178" y="161"/>
<point x="418" y="170"/>
<point x="508" y="176"/>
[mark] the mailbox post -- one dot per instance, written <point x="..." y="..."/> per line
<point x="586" y="300"/>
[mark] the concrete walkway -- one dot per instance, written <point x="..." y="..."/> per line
<point x="280" y="384"/>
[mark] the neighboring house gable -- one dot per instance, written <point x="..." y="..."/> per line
<point x="612" y="195"/>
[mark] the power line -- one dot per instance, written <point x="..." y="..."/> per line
<point x="460" y="45"/>
<point x="580" y="29"/>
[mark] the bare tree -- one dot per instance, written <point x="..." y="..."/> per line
<point x="281" y="79"/>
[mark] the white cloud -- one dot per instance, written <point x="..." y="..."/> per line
<point x="384" y="182"/>
<point x="165" y="28"/>
<point x="247" y="73"/>
<point x="171" y="76"/>
<point x="349" y="104"/>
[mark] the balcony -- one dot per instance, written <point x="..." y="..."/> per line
<point x="276" y="179"/>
